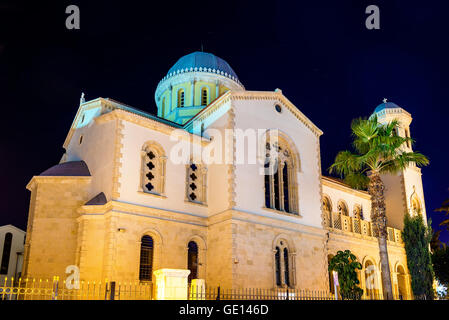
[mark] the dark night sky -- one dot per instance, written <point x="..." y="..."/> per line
<point x="318" y="52"/>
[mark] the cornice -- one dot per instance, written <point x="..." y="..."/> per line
<point x="277" y="95"/>
<point x="329" y="182"/>
<point x="146" y="123"/>
<point x="56" y="179"/>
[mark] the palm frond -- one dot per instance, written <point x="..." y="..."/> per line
<point x="345" y="163"/>
<point x="357" y="180"/>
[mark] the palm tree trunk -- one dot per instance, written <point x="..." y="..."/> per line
<point x="379" y="220"/>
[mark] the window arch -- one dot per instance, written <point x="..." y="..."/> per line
<point x="6" y="253"/>
<point x="146" y="258"/>
<point x="280" y="168"/>
<point x="358" y="214"/>
<point x="342" y="208"/>
<point x="204" y="96"/>
<point x="283" y="264"/>
<point x="153" y="169"/>
<point x="371" y="280"/>
<point x="181" y="98"/>
<point x="196" y="180"/>
<point x="327" y="208"/>
<point x="192" y="260"/>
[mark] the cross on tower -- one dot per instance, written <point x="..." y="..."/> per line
<point x="385" y="100"/>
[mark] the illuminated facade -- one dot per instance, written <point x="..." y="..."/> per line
<point x="120" y="207"/>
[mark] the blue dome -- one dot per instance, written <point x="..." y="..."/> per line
<point x="202" y="60"/>
<point x="386" y="105"/>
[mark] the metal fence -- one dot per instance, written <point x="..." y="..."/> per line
<point x="40" y="289"/>
<point x="45" y="289"/>
<point x="217" y="293"/>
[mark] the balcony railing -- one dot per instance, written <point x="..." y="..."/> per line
<point x="348" y="224"/>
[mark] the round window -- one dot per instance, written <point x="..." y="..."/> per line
<point x="278" y="108"/>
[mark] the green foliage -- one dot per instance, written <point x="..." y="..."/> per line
<point x="377" y="149"/>
<point x="346" y="264"/>
<point x="440" y="260"/>
<point x="417" y="236"/>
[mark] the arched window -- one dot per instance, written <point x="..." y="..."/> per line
<point x="402" y="283"/>
<point x="196" y="179"/>
<point x="280" y="176"/>
<point x="6" y="253"/>
<point x="277" y="262"/>
<point x="146" y="258"/>
<point x="181" y="98"/>
<point x="282" y="264"/>
<point x="342" y="209"/>
<point x="204" y="97"/>
<point x="371" y="283"/>
<point x="153" y="169"/>
<point x="327" y="208"/>
<point x="358" y="212"/>
<point x="192" y="260"/>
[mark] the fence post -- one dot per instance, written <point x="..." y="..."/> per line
<point x="112" y="295"/>
<point x="218" y="293"/>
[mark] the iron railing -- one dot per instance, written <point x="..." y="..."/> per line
<point x="54" y="289"/>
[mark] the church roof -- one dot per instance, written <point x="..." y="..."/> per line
<point x="68" y="169"/>
<point x="98" y="200"/>
<point x="202" y="60"/>
<point x="386" y="105"/>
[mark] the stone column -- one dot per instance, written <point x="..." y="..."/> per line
<point x="171" y="284"/>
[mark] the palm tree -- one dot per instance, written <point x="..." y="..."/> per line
<point x="444" y="208"/>
<point x="378" y="150"/>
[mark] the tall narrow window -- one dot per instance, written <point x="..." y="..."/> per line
<point x="283" y="265"/>
<point x="286" y="268"/>
<point x="407" y="135"/>
<point x="6" y="253"/>
<point x="276" y="190"/>
<point x="146" y="258"/>
<point x="204" y="97"/>
<point x="196" y="183"/>
<point x="192" y="260"/>
<point x="181" y="98"/>
<point x="285" y="185"/>
<point x="153" y="169"/>
<point x="277" y="258"/>
<point x="280" y="177"/>
<point x="267" y="189"/>
<point x="163" y="108"/>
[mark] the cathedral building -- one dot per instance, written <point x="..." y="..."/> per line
<point x="121" y="204"/>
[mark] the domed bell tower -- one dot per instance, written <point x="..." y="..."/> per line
<point x="404" y="190"/>
<point x="191" y="84"/>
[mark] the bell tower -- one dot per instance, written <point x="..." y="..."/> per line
<point x="404" y="190"/>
